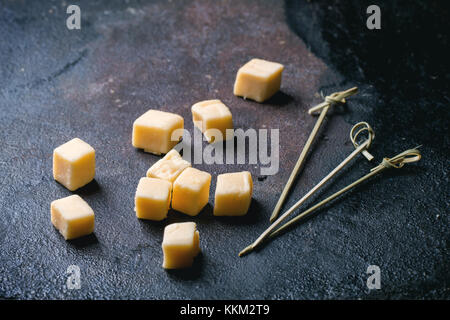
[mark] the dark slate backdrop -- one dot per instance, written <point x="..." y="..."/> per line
<point x="130" y="56"/>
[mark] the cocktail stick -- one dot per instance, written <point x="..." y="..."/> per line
<point x="398" y="161"/>
<point x="335" y="98"/>
<point x="411" y="155"/>
<point x="362" y="126"/>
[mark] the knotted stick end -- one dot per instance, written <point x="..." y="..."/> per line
<point x="398" y="161"/>
<point x="354" y="133"/>
<point x="337" y="97"/>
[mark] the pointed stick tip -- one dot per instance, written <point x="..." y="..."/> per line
<point x="246" y="251"/>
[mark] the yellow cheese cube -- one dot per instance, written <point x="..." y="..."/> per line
<point x="169" y="167"/>
<point x="191" y="191"/>
<point x="74" y="164"/>
<point x="212" y="114"/>
<point x="233" y="194"/>
<point x="258" y="80"/>
<point x="153" y="131"/>
<point x="152" y="199"/>
<point x="72" y="216"/>
<point x="180" y="245"/>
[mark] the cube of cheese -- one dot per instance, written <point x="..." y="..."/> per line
<point x="191" y="191"/>
<point x="74" y="164"/>
<point x="153" y="131"/>
<point x="233" y="194"/>
<point x="212" y="116"/>
<point x="72" y="216"/>
<point x="258" y="80"/>
<point x="169" y="167"/>
<point x="180" y="245"/>
<point x="152" y="199"/>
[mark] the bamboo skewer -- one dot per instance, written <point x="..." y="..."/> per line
<point x="411" y="155"/>
<point x="398" y="161"/>
<point x="358" y="150"/>
<point x="335" y="98"/>
<point x="298" y="165"/>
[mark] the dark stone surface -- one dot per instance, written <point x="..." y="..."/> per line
<point x="130" y="56"/>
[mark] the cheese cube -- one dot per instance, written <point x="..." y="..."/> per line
<point x="152" y="199"/>
<point x="74" y="164"/>
<point x="169" y="167"/>
<point x="258" y="80"/>
<point x="180" y="245"/>
<point x="72" y="216"/>
<point x="233" y="194"/>
<point x="153" y="131"/>
<point x="191" y="191"/>
<point x="211" y="116"/>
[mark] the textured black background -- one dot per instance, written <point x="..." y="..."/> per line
<point x="130" y="56"/>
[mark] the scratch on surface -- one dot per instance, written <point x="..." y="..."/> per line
<point x="36" y="83"/>
<point x="67" y="67"/>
